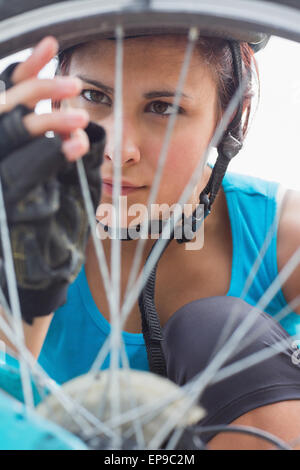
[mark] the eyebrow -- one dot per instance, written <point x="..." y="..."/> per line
<point x="148" y="95"/>
<point x="96" y="83"/>
<point x="164" y="94"/>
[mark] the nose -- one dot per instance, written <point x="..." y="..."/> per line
<point x="130" y="150"/>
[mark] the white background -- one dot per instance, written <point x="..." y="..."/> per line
<point x="272" y="147"/>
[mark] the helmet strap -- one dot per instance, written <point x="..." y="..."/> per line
<point x="231" y="142"/>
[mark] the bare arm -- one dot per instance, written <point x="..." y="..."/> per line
<point x="280" y="419"/>
<point x="34" y="335"/>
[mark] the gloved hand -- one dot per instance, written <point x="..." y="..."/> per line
<point x="45" y="209"/>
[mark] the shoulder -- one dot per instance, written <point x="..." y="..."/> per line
<point x="250" y="185"/>
<point x="288" y="241"/>
<point x="253" y="200"/>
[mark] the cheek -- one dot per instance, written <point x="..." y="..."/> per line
<point x="183" y="158"/>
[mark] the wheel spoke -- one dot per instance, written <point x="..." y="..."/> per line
<point x="115" y="334"/>
<point x="161" y="243"/>
<point x="227" y="330"/>
<point x="192" y="37"/>
<point x="86" y="422"/>
<point x="14" y="298"/>
<point x="207" y="376"/>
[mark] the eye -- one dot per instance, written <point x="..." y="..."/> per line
<point x="163" y="109"/>
<point x="96" y="97"/>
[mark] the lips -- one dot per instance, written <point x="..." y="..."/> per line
<point x="125" y="188"/>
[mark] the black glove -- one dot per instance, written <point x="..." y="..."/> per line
<point x="45" y="209"/>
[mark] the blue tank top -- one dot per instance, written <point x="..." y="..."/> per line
<point x="78" y="330"/>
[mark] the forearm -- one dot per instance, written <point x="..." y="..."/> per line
<point x="34" y="335"/>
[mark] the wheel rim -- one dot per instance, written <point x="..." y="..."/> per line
<point x="69" y="21"/>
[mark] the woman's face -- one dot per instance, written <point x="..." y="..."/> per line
<point x="151" y="69"/>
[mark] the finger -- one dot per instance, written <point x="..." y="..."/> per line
<point x="77" y="146"/>
<point x="31" y="91"/>
<point x="65" y="135"/>
<point x="45" y="50"/>
<point x="60" y="122"/>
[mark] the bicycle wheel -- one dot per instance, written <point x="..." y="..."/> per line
<point x="135" y="419"/>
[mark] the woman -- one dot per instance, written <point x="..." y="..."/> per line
<point x="266" y="396"/>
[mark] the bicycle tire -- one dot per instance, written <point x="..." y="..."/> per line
<point x="72" y="20"/>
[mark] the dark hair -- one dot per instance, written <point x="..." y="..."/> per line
<point x="218" y="56"/>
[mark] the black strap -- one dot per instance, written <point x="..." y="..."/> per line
<point x="229" y="147"/>
<point x="231" y="142"/>
<point x="151" y="327"/>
